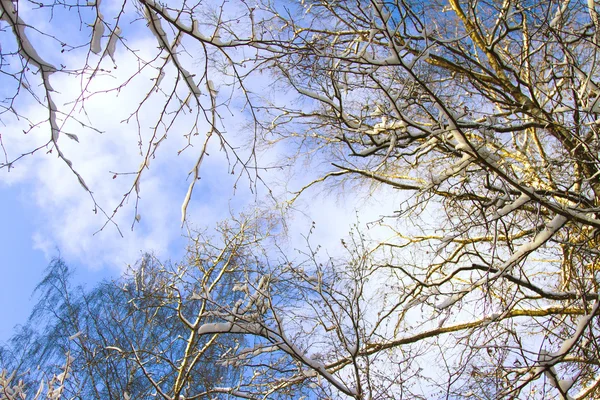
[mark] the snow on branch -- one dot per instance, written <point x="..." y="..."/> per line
<point x="30" y="55"/>
<point x="547" y="361"/>
<point x="520" y="254"/>
<point x="155" y="25"/>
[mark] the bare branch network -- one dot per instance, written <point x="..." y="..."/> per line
<point x="482" y="114"/>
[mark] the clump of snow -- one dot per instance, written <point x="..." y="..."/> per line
<point x="97" y="33"/>
<point x="112" y="43"/>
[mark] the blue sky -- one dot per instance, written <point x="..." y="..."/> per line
<point x="22" y="264"/>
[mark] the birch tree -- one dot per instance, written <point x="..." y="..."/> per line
<point x="123" y="339"/>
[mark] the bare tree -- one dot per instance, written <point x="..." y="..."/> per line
<point x="238" y="319"/>
<point x="483" y="114"/>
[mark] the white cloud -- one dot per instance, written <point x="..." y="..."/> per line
<point x="65" y="217"/>
<point x="65" y="211"/>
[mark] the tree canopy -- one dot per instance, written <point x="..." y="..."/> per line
<point x="481" y="115"/>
